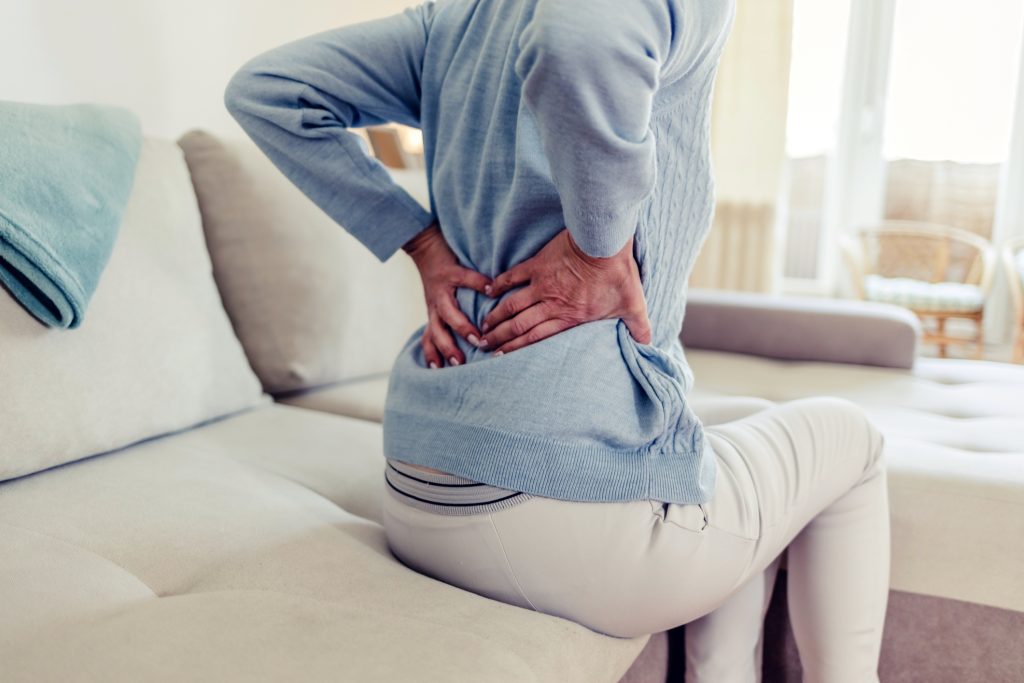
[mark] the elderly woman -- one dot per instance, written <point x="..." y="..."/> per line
<point x="540" y="446"/>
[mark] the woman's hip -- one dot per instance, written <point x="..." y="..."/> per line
<point x="620" y="568"/>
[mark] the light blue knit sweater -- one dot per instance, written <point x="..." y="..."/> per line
<point x="536" y="114"/>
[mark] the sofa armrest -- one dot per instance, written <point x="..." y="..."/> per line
<point x="798" y="328"/>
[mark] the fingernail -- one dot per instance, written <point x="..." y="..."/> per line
<point x="487" y="289"/>
<point x="483" y="343"/>
<point x="453" y="360"/>
<point x="473" y="340"/>
<point x="485" y="327"/>
<point x="499" y="353"/>
<point x="433" y="365"/>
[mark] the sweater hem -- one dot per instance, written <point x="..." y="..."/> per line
<point x="578" y="470"/>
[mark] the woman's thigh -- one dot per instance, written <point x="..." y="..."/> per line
<point x="623" y="569"/>
<point x="790" y="462"/>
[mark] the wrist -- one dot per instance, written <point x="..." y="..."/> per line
<point x="418" y="242"/>
<point x="598" y="261"/>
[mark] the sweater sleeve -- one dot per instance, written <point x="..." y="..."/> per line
<point x="589" y="71"/>
<point x="297" y="100"/>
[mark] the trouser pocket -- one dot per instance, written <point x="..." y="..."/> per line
<point x="693" y="517"/>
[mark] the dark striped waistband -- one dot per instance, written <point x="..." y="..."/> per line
<point x="446" y="494"/>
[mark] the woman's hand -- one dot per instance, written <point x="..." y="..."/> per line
<point x="441" y="275"/>
<point x="565" y="287"/>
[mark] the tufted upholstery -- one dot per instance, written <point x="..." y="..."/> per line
<point x="955" y="446"/>
<point x="250" y="549"/>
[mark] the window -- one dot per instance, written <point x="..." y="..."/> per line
<point x="815" y="80"/>
<point x="949" y="109"/>
<point x="898" y="109"/>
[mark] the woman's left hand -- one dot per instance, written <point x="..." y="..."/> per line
<point x="565" y="287"/>
<point x="442" y="274"/>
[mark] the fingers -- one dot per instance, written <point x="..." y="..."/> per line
<point x="465" y="277"/>
<point x="516" y="275"/>
<point x="637" y="321"/>
<point x="542" y="331"/>
<point x="639" y="325"/>
<point x="519" y="301"/>
<point x="430" y="352"/>
<point x="444" y="342"/>
<point x="452" y="315"/>
<point x="516" y="326"/>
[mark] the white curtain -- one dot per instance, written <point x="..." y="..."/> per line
<point x="748" y="135"/>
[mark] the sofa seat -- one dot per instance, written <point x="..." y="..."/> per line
<point x="954" y="434"/>
<point x="954" y="442"/>
<point x="250" y="549"/>
<point x="362" y="397"/>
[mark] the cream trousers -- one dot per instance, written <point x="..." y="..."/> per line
<point x="807" y="475"/>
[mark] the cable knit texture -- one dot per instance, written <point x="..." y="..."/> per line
<point x="536" y="115"/>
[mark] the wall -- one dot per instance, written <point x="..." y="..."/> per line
<point x="167" y="60"/>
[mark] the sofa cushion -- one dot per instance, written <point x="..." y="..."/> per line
<point x="250" y="549"/>
<point x="363" y="398"/>
<point x="955" y="449"/>
<point x="155" y="354"/>
<point x="311" y="305"/>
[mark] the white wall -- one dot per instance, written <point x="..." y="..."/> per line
<point x="167" y="60"/>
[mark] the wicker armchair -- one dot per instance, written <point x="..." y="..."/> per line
<point x="1013" y="262"/>
<point x="938" y="272"/>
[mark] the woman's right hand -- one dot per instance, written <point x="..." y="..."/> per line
<point x="442" y="274"/>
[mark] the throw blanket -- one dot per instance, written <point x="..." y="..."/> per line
<point x="65" y="175"/>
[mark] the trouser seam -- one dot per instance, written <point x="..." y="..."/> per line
<point x="508" y="564"/>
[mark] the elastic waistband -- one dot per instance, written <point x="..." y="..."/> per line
<point x="447" y="494"/>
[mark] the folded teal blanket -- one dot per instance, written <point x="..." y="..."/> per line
<point x="65" y="175"/>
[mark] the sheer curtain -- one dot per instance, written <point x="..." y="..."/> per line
<point x="748" y="135"/>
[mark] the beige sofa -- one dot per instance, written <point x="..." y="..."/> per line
<point x="161" y="519"/>
<point x="955" y="450"/>
<point x="954" y="429"/>
<point x="224" y="535"/>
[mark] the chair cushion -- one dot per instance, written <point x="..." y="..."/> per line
<point x="311" y="305"/>
<point x="155" y="353"/>
<point x="954" y="434"/>
<point x="925" y="296"/>
<point x="251" y="549"/>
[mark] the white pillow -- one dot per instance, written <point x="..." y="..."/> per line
<point x="155" y="352"/>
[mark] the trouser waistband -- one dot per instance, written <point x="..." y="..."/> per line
<point x="447" y="494"/>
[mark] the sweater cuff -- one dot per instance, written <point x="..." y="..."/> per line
<point x="390" y="223"/>
<point x="601" y="235"/>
